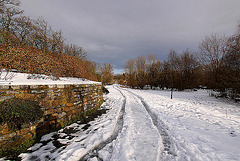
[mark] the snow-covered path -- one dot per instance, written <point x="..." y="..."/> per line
<point x="148" y="125"/>
<point x="139" y="138"/>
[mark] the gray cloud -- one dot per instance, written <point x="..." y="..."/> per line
<point x="114" y="31"/>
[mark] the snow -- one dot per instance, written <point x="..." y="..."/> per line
<point x="197" y="124"/>
<point x="13" y="78"/>
<point x="139" y="137"/>
<point x="47" y="137"/>
<point x="148" y="125"/>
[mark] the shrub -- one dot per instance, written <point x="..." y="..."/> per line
<point x="32" y="60"/>
<point x="11" y="153"/>
<point x="16" y="112"/>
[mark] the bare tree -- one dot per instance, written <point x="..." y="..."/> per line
<point x="8" y="13"/>
<point x="23" y="30"/>
<point x="231" y="63"/>
<point x="174" y="66"/>
<point x="141" y="68"/>
<point x="212" y="50"/>
<point x="153" y="71"/>
<point x="188" y="70"/>
<point x="56" y="41"/>
<point x="130" y="71"/>
<point x="106" y="71"/>
<point x="77" y="51"/>
<point x="39" y="37"/>
<point x="4" y="4"/>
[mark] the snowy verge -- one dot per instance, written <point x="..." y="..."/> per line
<point x="13" y="78"/>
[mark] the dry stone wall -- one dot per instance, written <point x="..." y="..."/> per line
<point x="60" y="104"/>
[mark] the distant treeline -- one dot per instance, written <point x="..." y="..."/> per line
<point x="216" y="65"/>
<point x="32" y="46"/>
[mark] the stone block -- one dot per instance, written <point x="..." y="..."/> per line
<point x="5" y="130"/>
<point x="69" y="117"/>
<point x="42" y="86"/>
<point x="60" y="85"/>
<point x="37" y="91"/>
<point x="4" y="87"/>
<point x="12" y="92"/>
<point x="48" y="112"/>
<point x="46" y="104"/>
<point x="69" y="104"/>
<point x="10" y="135"/>
<point x="50" y="95"/>
<point x="58" y="110"/>
<point x="34" y="87"/>
<point x="77" y="96"/>
<point x="57" y="94"/>
<point x="53" y="122"/>
<point x="60" y="123"/>
<point x="58" y="90"/>
<point x="67" y="108"/>
<point x="15" y="87"/>
<point x="53" y="116"/>
<point x="3" y="98"/>
<point x="23" y="131"/>
<point x="24" y="87"/>
<point x="45" y="123"/>
<point x="40" y="96"/>
<point x="61" y="115"/>
<point x="25" y="96"/>
<point x="56" y="103"/>
<point x="77" y="103"/>
<point x="52" y="86"/>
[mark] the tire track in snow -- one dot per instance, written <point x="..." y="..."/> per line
<point x="168" y="150"/>
<point x="119" y="125"/>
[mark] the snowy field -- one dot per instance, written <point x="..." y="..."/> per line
<point x="148" y="125"/>
<point x="199" y="127"/>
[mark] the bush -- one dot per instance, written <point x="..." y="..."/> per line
<point x="16" y="112"/>
<point x="32" y="60"/>
<point x="11" y="153"/>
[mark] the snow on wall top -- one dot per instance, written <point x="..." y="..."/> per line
<point x="13" y="78"/>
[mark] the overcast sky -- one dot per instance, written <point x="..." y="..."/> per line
<point x="114" y="31"/>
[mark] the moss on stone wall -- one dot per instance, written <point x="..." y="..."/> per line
<point x="17" y="112"/>
<point x="11" y="153"/>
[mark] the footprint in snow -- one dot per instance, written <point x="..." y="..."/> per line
<point x="232" y="134"/>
